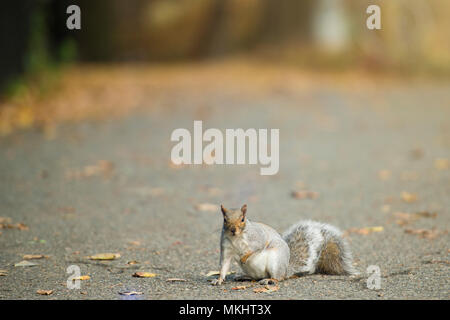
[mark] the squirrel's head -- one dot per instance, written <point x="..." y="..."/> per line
<point x="234" y="219"/>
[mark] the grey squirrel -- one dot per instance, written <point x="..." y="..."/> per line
<point x="263" y="254"/>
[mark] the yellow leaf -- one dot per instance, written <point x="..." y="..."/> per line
<point x="86" y="277"/>
<point x="45" y="292"/>
<point x="105" y="256"/>
<point x="216" y="273"/>
<point x="144" y="275"/>
<point x="34" y="256"/>
<point x="408" y="197"/>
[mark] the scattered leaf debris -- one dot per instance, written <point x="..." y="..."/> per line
<point x="25" y="263"/>
<point x="441" y="164"/>
<point x="426" y="233"/>
<point x="85" y="277"/>
<point x="130" y="293"/>
<point x="304" y="194"/>
<point x="216" y="273"/>
<point x="408" y="197"/>
<point x="44" y="292"/>
<point x="176" y="280"/>
<point x="105" y="256"/>
<point x="6" y="223"/>
<point x="364" y="231"/>
<point x="144" y="274"/>
<point x="239" y="288"/>
<point x="267" y="289"/>
<point x="404" y="218"/>
<point x="35" y="256"/>
<point x="384" y="175"/>
<point x="101" y="168"/>
<point x="209" y="207"/>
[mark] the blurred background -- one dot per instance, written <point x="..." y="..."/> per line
<point x="313" y="35"/>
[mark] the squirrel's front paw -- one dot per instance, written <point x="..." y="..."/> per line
<point x="217" y="282"/>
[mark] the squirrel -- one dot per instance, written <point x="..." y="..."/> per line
<point x="263" y="254"/>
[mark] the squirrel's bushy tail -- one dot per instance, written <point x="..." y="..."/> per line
<point x="318" y="247"/>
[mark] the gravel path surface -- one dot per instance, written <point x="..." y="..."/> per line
<point x="376" y="156"/>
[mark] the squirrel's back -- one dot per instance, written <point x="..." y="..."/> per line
<point x="318" y="247"/>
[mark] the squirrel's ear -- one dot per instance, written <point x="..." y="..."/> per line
<point x="244" y="209"/>
<point x="224" y="211"/>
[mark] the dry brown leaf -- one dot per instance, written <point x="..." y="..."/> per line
<point x="442" y="164"/>
<point x="304" y="194"/>
<point x="130" y="293"/>
<point x="408" y="197"/>
<point x="267" y="288"/>
<point x="101" y="168"/>
<point x="135" y="243"/>
<point x="5" y="220"/>
<point x="384" y="174"/>
<point x="34" y="256"/>
<point x="404" y="218"/>
<point x="105" y="256"/>
<point x="210" y="207"/>
<point x="25" y="263"/>
<point x="144" y="275"/>
<point x="425" y="233"/>
<point x="239" y="288"/>
<point x="364" y="231"/>
<point x="216" y="273"/>
<point x="3" y="273"/>
<point x="45" y="292"/>
<point x="132" y="262"/>
<point x="19" y="226"/>
<point x="176" y="280"/>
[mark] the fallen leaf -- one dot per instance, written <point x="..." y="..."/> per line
<point x="216" y="273"/>
<point x="210" y="207"/>
<point x="425" y="233"/>
<point x="130" y="293"/>
<point x="3" y="273"/>
<point x="135" y="243"/>
<point x="364" y="231"/>
<point x="45" y="292"/>
<point x="25" y="263"/>
<point x="105" y="256"/>
<point x="239" y="288"/>
<point x="144" y="275"/>
<point x="19" y="226"/>
<point x="5" y="220"/>
<point x="442" y="164"/>
<point x="304" y="194"/>
<point x="176" y="280"/>
<point x="34" y="256"/>
<point x="417" y="153"/>
<point x="132" y="262"/>
<point x="267" y="288"/>
<point x="101" y="168"/>
<point x="384" y="174"/>
<point x="404" y="218"/>
<point x="408" y="197"/>
<point x="86" y="277"/>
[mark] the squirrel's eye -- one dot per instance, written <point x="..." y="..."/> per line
<point x="243" y="219"/>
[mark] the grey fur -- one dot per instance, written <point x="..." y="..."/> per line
<point x="313" y="237"/>
<point x="262" y="253"/>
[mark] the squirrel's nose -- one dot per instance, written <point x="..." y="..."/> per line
<point x="233" y="230"/>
